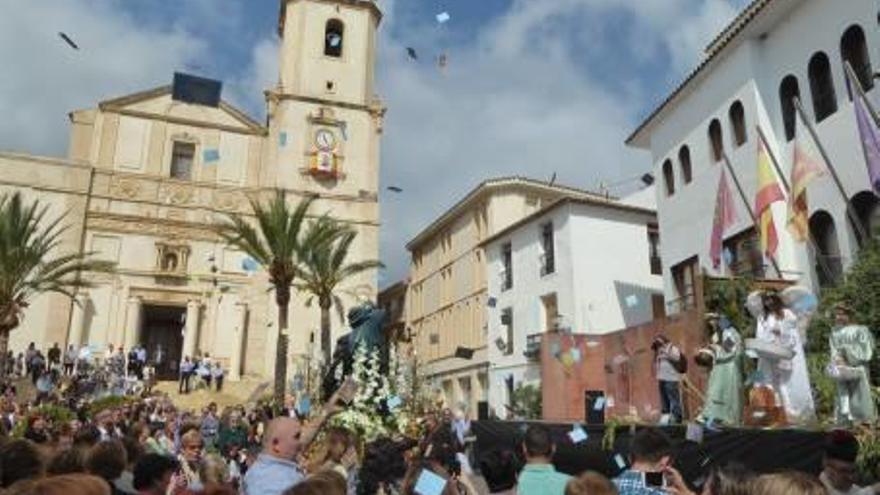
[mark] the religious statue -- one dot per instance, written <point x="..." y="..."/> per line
<point x="724" y="393"/>
<point x="782" y="364"/>
<point x="851" y="347"/>
<point x="365" y="322"/>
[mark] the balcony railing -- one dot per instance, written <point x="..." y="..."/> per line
<point x="533" y="347"/>
<point x="656" y="266"/>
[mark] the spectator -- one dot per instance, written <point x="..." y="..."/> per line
<point x="19" y="460"/>
<point x="36" y="430"/>
<point x="839" y="468"/>
<point x="325" y="482"/>
<point x="787" y="483"/>
<point x="284" y="440"/>
<point x="191" y="445"/>
<point x="69" y="360"/>
<point x="499" y="469"/>
<point x="650" y="452"/>
<point x="152" y="474"/>
<point x="214" y="472"/>
<point x="133" y="452"/>
<point x="210" y="425"/>
<point x="70" y="484"/>
<point x="733" y="479"/>
<point x="186" y="369"/>
<point x="67" y="461"/>
<point x="233" y="433"/>
<point x="217" y="372"/>
<point x="384" y="466"/>
<point x="539" y="476"/>
<point x="590" y="483"/>
<point x="54" y="356"/>
<point x="107" y="461"/>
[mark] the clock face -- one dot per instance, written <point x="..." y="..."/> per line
<point x="325" y="140"/>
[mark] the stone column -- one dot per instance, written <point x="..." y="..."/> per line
<point x="238" y="338"/>
<point x="191" y="334"/>
<point x="78" y="321"/>
<point x="132" y="321"/>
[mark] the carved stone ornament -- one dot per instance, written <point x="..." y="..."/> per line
<point x="126" y="188"/>
<point x="179" y="194"/>
<point x="227" y="201"/>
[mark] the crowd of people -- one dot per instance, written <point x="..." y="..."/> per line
<point x="79" y="443"/>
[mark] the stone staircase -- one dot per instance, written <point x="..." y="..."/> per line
<point x="248" y="389"/>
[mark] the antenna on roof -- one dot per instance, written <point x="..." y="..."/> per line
<point x="552" y="179"/>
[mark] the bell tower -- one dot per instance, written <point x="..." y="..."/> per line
<point x="324" y="132"/>
<point x="325" y="119"/>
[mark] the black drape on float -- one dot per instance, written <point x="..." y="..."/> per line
<point x="761" y="450"/>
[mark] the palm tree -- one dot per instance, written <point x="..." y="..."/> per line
<point x="26" y="266"/>
<point x="324" y="268"/>
<point x="276" y="243"/>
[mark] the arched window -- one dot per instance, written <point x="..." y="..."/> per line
<point x="788" y="91"/>
<point x="867" y="208"/>
<point x="669" y="177"/>
<point x="738" y="122"/>
<point x="716" y="140"/>
<point x="333" y="37"/>
<point x="684" y="161"/>
<point x="822" y="86"/>
<point x="854" y="49"/>
<point x="829" y="267"/>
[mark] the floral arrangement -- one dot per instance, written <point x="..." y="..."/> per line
<point x="382" y="405"/>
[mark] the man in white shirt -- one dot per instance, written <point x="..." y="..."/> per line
<point x="839" y="466"/>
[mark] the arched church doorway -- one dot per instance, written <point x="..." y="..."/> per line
<point x="162" y="335"/>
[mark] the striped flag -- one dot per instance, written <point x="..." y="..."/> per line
<point x="768" y="193"/>
<point x="805" y="167"/>
<point x="725" y="217"/>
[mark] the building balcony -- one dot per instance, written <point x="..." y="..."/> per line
<point x="533" y="347"/>
<point x="548" y="264"/>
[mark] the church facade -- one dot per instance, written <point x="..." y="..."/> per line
<point x="149" y="175"/>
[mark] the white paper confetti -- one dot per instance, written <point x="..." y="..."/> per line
<point x="443" y="17"/>
<point x="578" y="435"/>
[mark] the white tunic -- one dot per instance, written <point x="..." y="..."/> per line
<point x="790" y="379"/>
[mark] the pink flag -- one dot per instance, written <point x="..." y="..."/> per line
<point x="725" y="217"/>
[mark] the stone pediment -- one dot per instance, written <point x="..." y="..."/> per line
<point x="158" y="104"/>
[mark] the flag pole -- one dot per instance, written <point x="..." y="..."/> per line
<point x="810" y="240"/>
<point x="854" y="81"/>
<point x="745" y="200"/>
<point x="850" y="215"/>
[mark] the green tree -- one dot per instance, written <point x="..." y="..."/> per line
<point x="324" y="267"/>
<point x="276" y="243"/>
<point x="28" y="265"/>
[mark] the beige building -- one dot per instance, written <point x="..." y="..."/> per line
<point x="448" y="298"/>
<point x="149" y="174"/>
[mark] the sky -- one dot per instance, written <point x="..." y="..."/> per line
<point x="532" y="87"/>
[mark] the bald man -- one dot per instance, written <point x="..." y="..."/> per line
<point x="285" y="439"/>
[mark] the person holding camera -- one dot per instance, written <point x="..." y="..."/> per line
<point x="651" y="472"/>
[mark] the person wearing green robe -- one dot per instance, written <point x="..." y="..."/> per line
<point x="724" y="393"/>
<point x="852" y="346"/>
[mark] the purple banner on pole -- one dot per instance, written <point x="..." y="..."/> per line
<point x="870" y="136"/>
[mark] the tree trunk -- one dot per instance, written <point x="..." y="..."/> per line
<point x="325" y="332"/>
<point x="282" y="298"/>
<point x="4" y="346"/>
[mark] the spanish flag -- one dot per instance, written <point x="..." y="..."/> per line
<point x="768" y="193"/>
<point x="805" y="168"/>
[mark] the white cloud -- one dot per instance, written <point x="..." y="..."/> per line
<point x="520" y="100"/>
<point x="44" y="79"/>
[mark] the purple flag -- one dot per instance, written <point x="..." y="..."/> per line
<point x="870" y="136"/>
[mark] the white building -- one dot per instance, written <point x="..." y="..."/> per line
<point x="773" y="50"/>
<point x="585" y="265"/>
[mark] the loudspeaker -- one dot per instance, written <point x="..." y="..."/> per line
<point x="482" y="410"/>
<point x="591" y="414"/>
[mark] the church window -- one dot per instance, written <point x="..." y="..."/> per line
<point x="822" y="86"/>
<point x="738" y="122"/>
<point x="716" y="140"/>
<point x="788" y="91"/>
<point x="333" y="38"/>
<point x="182" y="160"/>
<point x="854" y="49"/>
<point x="669" y="177"/>
<point x="684" y="160"/>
